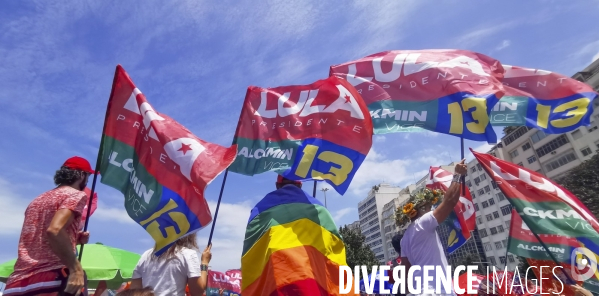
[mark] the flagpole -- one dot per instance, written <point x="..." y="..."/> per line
<point x="314" y="190"/>
<point x="220" y="196"/>
<point x="222" y="186"/>
<point x="463" y="178"/>
<point x="98" y="160"/>
<point x="572" y="282"/>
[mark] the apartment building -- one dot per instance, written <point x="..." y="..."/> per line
<point x="493" y="213"/>
<point x="390" y="229"/>
<point x="370" y="212"/>
<point x="354" y="226"/>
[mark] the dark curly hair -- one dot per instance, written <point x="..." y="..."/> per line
<point x="396" y="242"/>
<point x="67" y="176"/>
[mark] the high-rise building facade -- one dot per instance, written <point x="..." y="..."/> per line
<point x="390" y="228"/>
<point x="370" y="211"/>
<point x="493" y="214"/>
<point x="354" y="226"/>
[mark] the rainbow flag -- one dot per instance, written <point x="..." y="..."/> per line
<point x="291" y="247"/>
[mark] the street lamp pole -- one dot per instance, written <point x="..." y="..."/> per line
<point x="324" y="190"/>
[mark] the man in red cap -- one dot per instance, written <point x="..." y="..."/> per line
<point x="46" y="263"/>
<point x="282" y="182"/>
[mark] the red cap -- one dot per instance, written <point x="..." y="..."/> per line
<point x="78" y="163"/>
<point x="281" y="180"/>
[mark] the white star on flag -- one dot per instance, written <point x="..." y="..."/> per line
<point x="184" y="152"/>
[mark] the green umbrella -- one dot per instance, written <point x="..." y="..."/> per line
<point x="101" y="263"/>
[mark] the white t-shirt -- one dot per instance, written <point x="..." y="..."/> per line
<point x="421" y="245"/>
<point x="168" y="277"/>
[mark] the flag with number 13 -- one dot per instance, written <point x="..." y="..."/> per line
<point x="320" y="131"/>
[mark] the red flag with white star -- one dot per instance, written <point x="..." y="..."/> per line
<point x="161" y="167"/>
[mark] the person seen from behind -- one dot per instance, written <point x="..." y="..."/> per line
<point x="179" y="266"/>
<point x="46" y="262"/>
<point x="420" y="244"/>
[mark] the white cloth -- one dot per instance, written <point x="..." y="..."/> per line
<point x="168" y="277"/>
<point x="421" y="245"/>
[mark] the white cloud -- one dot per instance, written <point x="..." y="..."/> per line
<point x="106" y="213"/>
<point x="504" y="44"/>
<point x="12" y="210"/>
<point x="377" y="168"/>
<point x="475" y="37"/>
<point x="380" y="139"/>
<point x="341" y="213"/>
<point x="229" y="233"/>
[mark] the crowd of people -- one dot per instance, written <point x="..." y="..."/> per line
<point x="47" y="263"/>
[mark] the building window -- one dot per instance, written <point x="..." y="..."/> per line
<point x="491" y="201"/>
<point x="498" y="245"/>
<point x="483" y="233"/>
<point x="499" y="227"/>
<point x="520" y="164"/>
<point x="476" y="181"/>
<point x="500" y="196"/>
<point x="531" y="159"/>
<point x="506" y="210"/>
<point x="525" y="146"/>
<point x="510" y="258"/>
<point x="505" y="243"/>
<point x="488" y="247"/>
<point x="487" y="189"/>
<point x="586" y="151"/>
<point x="476" y="207"/>
<point x="479" y="167"/>
<point x="502" y="259"/>
<point x="481" y="191"/>
<point x="515" y="135"/>
<point x="479" y="219"/>
<point x="507" y="224"/>
<point x="494" y="184"/>
<point x="552" y="145"/>
<point x="489" y="217"/>
<point x="560" y="161"/>
<point x="473" y="196"/>
<point x="483" y="176"/>
<point x="577" y="134"/>
<point x="496" y="214"/>
<point x="539" y="135"/>
<point x="468" y="183"/>
<point x="592" y="128"/>
<point x="485" y="204"/>
<point x="493" y="230"/>
<point x="492" y="260"/>
<point x="473" y="169"/>
<point x="514" y="153"/>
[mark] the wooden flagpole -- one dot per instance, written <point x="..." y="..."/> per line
<point x="98" y="160"/>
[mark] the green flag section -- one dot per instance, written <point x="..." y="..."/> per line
<point x="159" y="166"/>
<point x="566" y="227"/>
<point x="464" y="93"/>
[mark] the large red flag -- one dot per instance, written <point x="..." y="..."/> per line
<point x="160" y="166"/>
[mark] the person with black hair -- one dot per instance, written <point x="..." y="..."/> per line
<point x="396" y="243"/>
<point x="46" y="262"/>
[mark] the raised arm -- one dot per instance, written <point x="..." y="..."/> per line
<point x="452" y="196"/>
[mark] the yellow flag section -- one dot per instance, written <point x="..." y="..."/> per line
<point x="291" y="247"/>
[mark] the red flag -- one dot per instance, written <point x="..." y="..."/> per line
<point x="464" y="210"/>
<point x="161" y="167"/>
<point x="94" y="206"/>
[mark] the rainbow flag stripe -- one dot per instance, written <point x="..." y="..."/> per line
<point x="291" y="247"/>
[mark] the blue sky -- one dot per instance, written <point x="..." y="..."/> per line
<point x="194" y="61"/>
